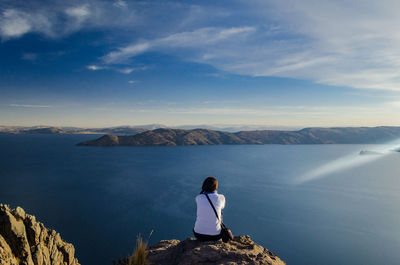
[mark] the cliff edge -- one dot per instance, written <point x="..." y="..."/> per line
<point x="25" y="241"/>
<point x="241" y="250"/>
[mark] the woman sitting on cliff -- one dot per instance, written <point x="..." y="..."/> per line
<point x="207" y="226"/>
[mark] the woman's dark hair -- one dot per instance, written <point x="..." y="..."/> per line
<point x="209" y="185"/>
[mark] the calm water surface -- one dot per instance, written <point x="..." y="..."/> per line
<point x="100" y="198"/>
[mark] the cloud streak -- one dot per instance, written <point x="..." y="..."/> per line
<point x="29" y="106"/>
<point x="203" y="37"/>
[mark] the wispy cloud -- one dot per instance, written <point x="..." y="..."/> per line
<point x="123" y="70"/>
<point x="78" y="12"/>
<point x="120" y="4"/>
<point x="126" y="70"/>
<point x="77" y="15"/>
<point x="29" y="106"/>
<point x="200" y="38"/>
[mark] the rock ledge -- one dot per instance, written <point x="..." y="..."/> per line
<point x="241" y="250"/>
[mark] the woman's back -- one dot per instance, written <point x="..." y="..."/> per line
<point x="206" y="221"/>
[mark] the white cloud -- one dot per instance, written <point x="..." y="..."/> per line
<point x="120" y="4"/>
<point x="77" y="16"/>
<point x="14" y="24"/>
<point x="132" y="82"/>
<point x="126" y="70"/>
<point x="79" y="12"/>
<point x="94" y="67"/>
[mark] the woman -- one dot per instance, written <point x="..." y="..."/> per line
<point x="207" y="226"/>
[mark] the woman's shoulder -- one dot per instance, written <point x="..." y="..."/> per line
<point x="219" y="196"/>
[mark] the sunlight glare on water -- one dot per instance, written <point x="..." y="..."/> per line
<point x="354" y="159"/>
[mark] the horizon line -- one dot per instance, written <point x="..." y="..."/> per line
<point x="199" y="126"/>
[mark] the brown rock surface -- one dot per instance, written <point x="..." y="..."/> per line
<point x="25" y="241"/>
<point x="241" y="250"/>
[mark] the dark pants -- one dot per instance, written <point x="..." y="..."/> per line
<point x="204" y="238"/>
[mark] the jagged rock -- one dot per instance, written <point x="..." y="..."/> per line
<point x="24" y="241"/>
<point x="241" y="250"/>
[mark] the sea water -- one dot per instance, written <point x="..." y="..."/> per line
<point x="100" y="198"/>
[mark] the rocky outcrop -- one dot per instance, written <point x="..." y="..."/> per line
<point x="25" y="241"/>
<point x="241" y="250"/>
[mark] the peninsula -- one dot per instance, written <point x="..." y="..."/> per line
<point x="174" y="137"/>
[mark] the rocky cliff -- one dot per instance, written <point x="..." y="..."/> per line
<point x="25" y="241"/>
<point x="241" y="250"/>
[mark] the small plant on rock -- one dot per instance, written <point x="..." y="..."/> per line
<point x="139" y="256"/>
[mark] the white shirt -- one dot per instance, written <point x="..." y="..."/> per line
<point x="206" y="221"/>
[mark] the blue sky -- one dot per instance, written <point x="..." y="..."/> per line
<point x="94" y="63"/>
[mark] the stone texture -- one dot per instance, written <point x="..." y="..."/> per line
<point x="241" y="250"/>
<point x="25" y="241"/>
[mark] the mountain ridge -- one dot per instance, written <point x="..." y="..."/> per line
<point x="118" y="130"/>
<point x="313" y="135"/>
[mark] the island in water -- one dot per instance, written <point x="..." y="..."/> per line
<point x="176" y="137"/>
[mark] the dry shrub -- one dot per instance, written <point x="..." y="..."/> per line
<point x="139" y="256"/>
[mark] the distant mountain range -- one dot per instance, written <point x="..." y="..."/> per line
<point x="234" y="128"/>
<point x="173" y="137"/>
<point x="129" y="130"/>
